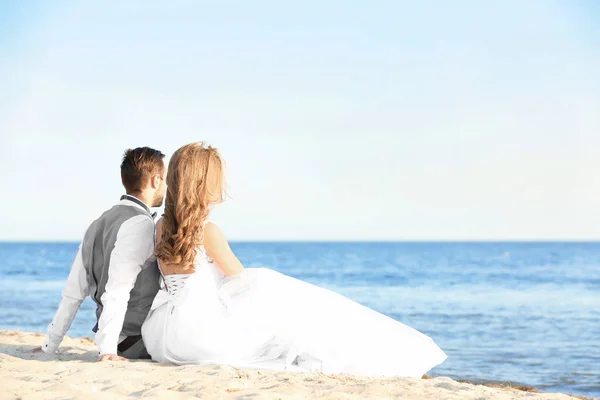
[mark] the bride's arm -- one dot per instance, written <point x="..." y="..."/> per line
<point x="218" y="249"/>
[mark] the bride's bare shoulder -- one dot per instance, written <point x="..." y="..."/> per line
<point x="218" y="249"/>
<point x="212" y="235"/>
<point x="211" y="230"/>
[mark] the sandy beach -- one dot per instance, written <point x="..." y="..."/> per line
<point x="73" y="374"/>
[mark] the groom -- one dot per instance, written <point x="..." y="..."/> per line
<point x="115" y="264"/>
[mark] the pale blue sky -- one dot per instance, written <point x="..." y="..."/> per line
<point x="338" y="120"/>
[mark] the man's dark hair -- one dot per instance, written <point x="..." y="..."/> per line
<point x="138" y="166"/>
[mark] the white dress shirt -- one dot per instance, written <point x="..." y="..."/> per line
<point x="133" y="247"/>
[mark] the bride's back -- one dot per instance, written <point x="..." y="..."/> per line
<point x="176" y="269"/>
<point x="204" y="271"/>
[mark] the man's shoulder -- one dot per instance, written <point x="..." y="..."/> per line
<point x="122" y="213"/>
<point x="117" y="216"/>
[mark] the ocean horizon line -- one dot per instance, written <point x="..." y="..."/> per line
<point x="344" y="241"/>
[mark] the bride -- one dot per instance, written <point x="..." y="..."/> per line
<point x="212" y="310"/>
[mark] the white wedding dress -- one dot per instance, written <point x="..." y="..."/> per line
<point x="264" y="319"/>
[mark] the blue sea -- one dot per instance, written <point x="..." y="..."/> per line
<point x="527" y="313"/>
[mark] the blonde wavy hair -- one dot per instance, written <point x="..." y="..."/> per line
<point x="194" y="181"/>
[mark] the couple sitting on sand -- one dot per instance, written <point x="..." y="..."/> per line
<point x="176" y="293"/>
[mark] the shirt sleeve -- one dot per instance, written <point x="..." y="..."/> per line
<point x="133" y="247"/>
<point x="75" y="291"/>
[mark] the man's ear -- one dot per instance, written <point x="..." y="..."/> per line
<point x="155" y="181"/>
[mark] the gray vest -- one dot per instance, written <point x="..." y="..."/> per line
<point x="97" y="246"/>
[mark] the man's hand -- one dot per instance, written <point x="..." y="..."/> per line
<point x="35" y="350"/>
<point x="110" y="357"/>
